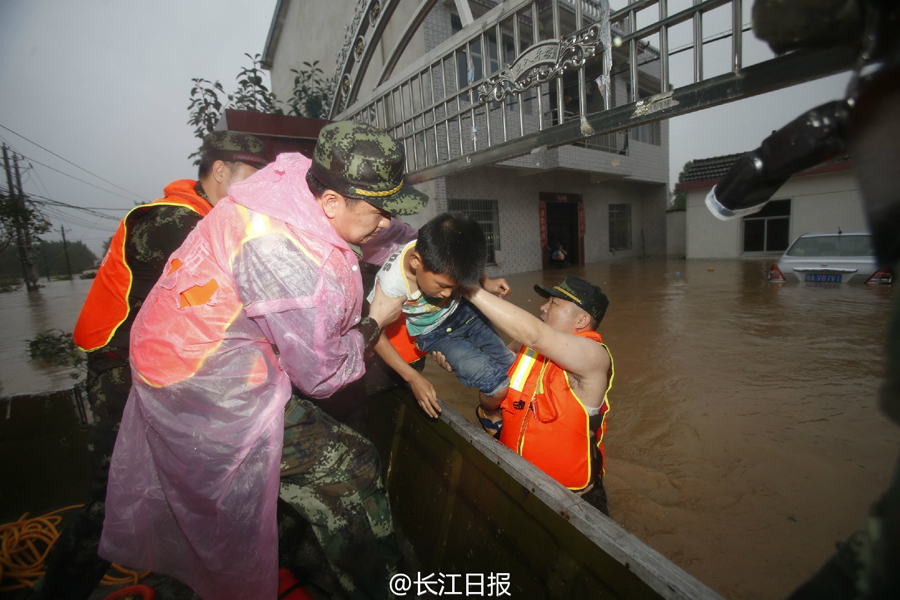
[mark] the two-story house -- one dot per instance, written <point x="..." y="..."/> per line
<point x="601" y="198"/>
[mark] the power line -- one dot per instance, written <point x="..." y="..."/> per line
<point x="76" y="178"/>
<point x="70" y="162"/>
<point x="90" y="211"/>
<point x="37" y="175"/>
<point x="56" y="207"/>
<point x="44" y="202"/>
<point x="59" y="215"/>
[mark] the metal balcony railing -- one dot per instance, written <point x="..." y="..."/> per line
<point x="497" y="88"/>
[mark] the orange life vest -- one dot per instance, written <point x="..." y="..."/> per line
<point x="546" y="423"/>
<point x="107" y="305"/>
<point x="398" y="335"/>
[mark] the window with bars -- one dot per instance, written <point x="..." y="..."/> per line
<point x="487" y="213"/>
<point x="619" y="227"/>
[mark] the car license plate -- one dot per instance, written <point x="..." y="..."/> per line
<point x="826" y="278"/>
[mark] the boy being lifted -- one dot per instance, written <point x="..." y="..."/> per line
<point x="449" y="252"/>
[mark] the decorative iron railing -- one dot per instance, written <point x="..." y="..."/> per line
<point x="512" y="80"/>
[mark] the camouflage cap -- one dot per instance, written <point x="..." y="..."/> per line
<point x="361" y="161"/>
<point x="582" y="292"/>
<point x="234" y="147"/>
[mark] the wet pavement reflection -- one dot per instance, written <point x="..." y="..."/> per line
<point x="744" y="436"/>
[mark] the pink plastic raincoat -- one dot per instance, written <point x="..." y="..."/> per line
<point x="262" y="293"/>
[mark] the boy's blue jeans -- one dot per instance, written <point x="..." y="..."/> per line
<point x="468" y="341"/>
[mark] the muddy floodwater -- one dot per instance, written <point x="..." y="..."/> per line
<point x="744" y="437"/>
<point x="55" y="307"/>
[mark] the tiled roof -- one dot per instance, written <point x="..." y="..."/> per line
<point x="706" y="172"/>
<point x="710" y="168"/>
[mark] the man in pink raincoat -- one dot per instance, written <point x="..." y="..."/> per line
<point x="265" y="293"/>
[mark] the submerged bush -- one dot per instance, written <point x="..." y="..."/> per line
<point x="10" y="285"/>
<point x="56" y="348"/>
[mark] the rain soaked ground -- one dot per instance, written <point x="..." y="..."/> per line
<point x="744" y="438"/>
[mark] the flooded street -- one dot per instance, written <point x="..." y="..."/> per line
<point x="744" y="437"/>
<point x="22" y="316"/>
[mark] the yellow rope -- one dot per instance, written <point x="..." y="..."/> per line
<point x="25" y="544"/>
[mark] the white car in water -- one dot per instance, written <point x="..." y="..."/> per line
<point x="830" y="257"/>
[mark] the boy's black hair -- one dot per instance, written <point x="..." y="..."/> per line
<point x="453" y="244"/>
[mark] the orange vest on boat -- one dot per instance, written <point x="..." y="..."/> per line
<point x="107" y="305"/>
<point x="545" y="422"/>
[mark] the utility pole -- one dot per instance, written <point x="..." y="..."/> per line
<point x="66" y="249"/>
<point x="23" y="237"/>
<point x="31" y="280"/>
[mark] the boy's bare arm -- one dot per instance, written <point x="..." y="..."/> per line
<point x="423" y="390"/>
<point x="574" y="354"/>
<point x="383" y="308"/>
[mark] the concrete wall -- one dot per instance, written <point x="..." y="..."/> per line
<point x="707" y="236"/>
<point x="518" y="197"/>
<point x="298" y="43"/>
<point x="818" y="203"/>
<point x="824" y="203"/>
<point x="314" y="31"/>
<point x="676" y="233"/>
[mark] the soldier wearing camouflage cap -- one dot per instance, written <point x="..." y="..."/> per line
<point x="137" y="254"/>
<point x="361" y="162"/>
<point x="231" y="146"/>
<point x="265" y="297"/>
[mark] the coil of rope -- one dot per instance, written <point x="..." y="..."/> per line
<point x="25" y="544"/>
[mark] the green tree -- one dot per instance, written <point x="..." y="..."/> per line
<point x="208" y="100"/>
<point x="679" y="199"/>
<point x="252" y="94"/>
<point x="205" y="109"/>
<point x="312" y="93"/>
<point x="49" y="257"/>
<point x="13" y="212"/>
<point x="310" y="98"/>
<point x="52" y="257"/>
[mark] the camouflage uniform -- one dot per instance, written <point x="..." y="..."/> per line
<point x="331" y="474"/>
<point x="73" y="567"/>
<point x="287" y="281"/>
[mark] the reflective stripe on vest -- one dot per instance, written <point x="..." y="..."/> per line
<point x="545" y="422"/>
<point x="107" y="305"/>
